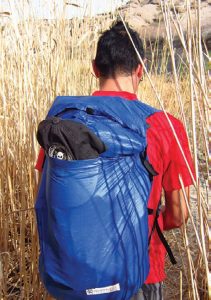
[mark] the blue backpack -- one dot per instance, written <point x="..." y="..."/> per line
<point x="92" y="214"/>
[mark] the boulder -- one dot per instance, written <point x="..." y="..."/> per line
<point x="147" y="18"/>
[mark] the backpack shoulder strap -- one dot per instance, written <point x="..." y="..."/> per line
<point x="151" y="171"/>
<point x="160" y="234"/>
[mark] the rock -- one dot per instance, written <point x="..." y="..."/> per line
<point x="146" y="17"/>
<point x="137" y="20"/>
<point x="155" y="2"/>
<point x="138" y="3"/>
<point x="181" y="8"/>
<point x="148" y="12"/>
<point x="144" y="2"/>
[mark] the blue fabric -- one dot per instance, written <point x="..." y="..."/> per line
<point x="92" y="214"/>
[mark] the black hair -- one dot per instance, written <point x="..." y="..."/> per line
<point x="116" y="53"/>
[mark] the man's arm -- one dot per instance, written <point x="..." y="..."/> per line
<point x="175" y="170"/>
<point x="175" y="207"/>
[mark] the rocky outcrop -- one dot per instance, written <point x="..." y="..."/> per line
<point x="147" y="18"/>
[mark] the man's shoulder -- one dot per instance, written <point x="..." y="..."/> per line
<point x="163" y="120"/>
<point x="162" y="130"/>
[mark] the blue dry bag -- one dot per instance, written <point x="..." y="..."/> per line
<point x="92" y="214"/>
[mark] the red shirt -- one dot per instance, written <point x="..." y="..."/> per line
<point x="166" y="158"/>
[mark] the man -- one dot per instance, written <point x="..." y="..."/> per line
<point x="119" y="71"/>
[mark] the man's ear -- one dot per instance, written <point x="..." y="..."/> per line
<point x="139" y="71"/>
<point x="95" y="69"/>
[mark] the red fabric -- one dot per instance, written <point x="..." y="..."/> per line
<point x="40" y="160"/>
<point x="166" y="158"/>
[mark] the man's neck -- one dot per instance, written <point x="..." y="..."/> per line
<point x="118" y="84"/>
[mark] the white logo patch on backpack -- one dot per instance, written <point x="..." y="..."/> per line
<point x="104" y="290"/>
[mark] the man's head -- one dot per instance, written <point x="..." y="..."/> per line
<point x="116" y="55"/>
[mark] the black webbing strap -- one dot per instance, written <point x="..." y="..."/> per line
<point x="151" y="171"/>
<point x="150" y="212"/>
<point x="160" y="234"/>
<point x="165" y="243"/>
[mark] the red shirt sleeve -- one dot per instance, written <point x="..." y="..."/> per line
<point x="175" y="162"/>
<point x="40" y="160"/>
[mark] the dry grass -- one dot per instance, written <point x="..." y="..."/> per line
<point x="40" y="60"/>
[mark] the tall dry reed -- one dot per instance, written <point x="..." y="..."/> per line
<point x="44" y="58"/>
